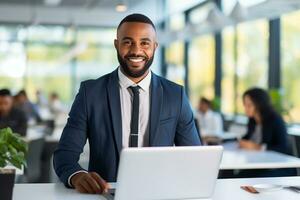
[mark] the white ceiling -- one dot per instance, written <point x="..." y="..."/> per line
<point x="77" y="12"/>
<point x="102" y="12"/>
<point x="90" y="4"/>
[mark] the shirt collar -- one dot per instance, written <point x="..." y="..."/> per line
<point x="125" y="82"/>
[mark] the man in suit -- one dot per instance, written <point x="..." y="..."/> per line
<point x="10" y="116"/>
<point x="130" y="107"/>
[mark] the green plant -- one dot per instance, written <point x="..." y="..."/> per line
<point x="216" y="104"/>
<point x="12" y="149"/>
<point x="277" y="101"/>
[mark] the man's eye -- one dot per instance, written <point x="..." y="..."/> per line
<point x="127" y="42"/>
<point x="145" y="43"/>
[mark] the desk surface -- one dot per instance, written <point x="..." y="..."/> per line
<point x="38" y="132"/>
<point x="226" y="189"/>
<point x="235" y="158"/>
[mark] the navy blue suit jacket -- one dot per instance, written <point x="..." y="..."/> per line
<point x="96" y="115"/>
<point x="274" y="133"/>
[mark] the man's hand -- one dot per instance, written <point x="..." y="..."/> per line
<point x="90" y="183"/>
<point x="247" y="144"/>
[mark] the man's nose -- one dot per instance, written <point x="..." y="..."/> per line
<point x="135" y="49"/>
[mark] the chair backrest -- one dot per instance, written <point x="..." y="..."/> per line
<point x="294" y="142"/>
<point x="35" y="149"/>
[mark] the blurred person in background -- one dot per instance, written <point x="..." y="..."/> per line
<point x="23" y="103"/>
<point x="57" y="110"/>
<point x="10" y="116"/>
<point x="41" y="100"/>
<point x="55" y="105"/>
<point x="209" y="122"/>
<point x="266" y="128"/>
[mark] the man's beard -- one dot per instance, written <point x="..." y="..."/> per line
<point x="134" y="74"/>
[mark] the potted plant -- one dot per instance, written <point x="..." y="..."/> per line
<point x="12" y="152"/>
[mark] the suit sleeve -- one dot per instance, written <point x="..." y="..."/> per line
<point x="73" y="139"/>
<point x="186" y="132"/>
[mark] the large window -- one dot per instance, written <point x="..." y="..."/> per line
<point x="228" y="71"/>
<point x="175" y="52"/>
<point x="47" y="70"/>
<point x="175" y="62"/>
<point x="32" y="60"/>
<point x="291" y="64"/>
<point x="245" y="62"/>
<point x="252" y="57"/>
<point x="12" y="65"/>
<point x="201" y="68"/>
<point x="97" y="55"/>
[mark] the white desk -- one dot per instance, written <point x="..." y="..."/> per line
<point x="38" y="132"/>
<point x="235" y="158"/>
<point x="229" y="189"/>
<point x="226" y="189"/>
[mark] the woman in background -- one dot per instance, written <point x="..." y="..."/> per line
<point x="266" y="128"/>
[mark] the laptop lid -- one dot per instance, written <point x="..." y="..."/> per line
<point x="167" y="172"/>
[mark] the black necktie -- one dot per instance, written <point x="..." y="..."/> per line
<point x="134" y="126"/>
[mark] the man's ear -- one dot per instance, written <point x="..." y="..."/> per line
<point x="155" y="45"/>
<point x="116" y="43"/>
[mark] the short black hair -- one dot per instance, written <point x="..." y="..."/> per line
<point x="206" y="101"/>
<point x="5" y="92"/>
<point x="22" y="93"/>
<point x="136" y="17"/>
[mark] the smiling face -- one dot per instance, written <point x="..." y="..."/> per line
<point x="135" y="45"/>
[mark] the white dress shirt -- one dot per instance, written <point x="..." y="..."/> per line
<point x="210" y="123"/>
<point x="126" y="97"/>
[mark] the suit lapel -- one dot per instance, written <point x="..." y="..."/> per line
<point x="155" y="107"/>
<point x="115" y="108"/>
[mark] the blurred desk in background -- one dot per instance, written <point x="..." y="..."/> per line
<point x="240" y="163"/>
<point x="49" y="146"/>
<point x="41" y="148"/>
<point x="235" y="158"/>
<point x="39" y="132"/>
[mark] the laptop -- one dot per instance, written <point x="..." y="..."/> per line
<point x="160" y="173"/>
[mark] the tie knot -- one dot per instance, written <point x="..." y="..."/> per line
<point x="135" y="89"/>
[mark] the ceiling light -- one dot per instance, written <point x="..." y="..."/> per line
<point x="121" y="7"/>
<point x="52" y="2"/>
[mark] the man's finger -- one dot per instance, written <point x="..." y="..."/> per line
<point x="93" y="184"/>
<point x="103" y="184"/>
<point x="80" y="188"/>
<point x="86" y="186"/>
